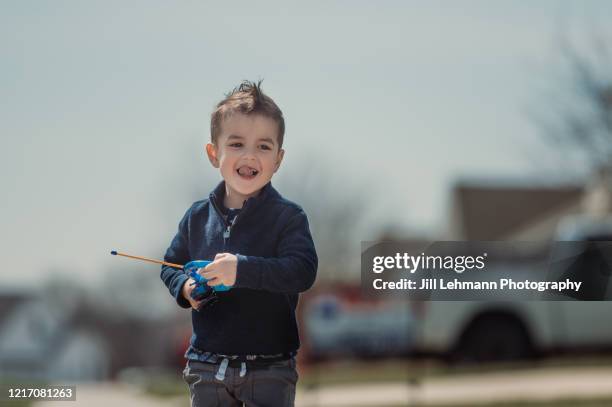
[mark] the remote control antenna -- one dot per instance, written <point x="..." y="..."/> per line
<point x="165" y="263"/>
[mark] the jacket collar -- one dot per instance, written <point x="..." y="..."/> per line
<point x="218" y="194"/>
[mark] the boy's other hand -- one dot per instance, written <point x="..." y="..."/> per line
<point x="221" y="271"/>
<point x="187" y="289"/>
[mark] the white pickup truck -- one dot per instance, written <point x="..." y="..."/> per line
<point x="465" y="330"/>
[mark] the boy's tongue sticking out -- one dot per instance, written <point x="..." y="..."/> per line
<point x="247" y="172"/>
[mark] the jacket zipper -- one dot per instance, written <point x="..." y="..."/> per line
<point x="227" y="231"/>
<point x="228" y="226"/>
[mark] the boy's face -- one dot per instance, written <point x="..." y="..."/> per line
<point x="247" y="153"/>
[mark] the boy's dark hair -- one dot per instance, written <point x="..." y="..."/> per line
<point x="247" y="98"/>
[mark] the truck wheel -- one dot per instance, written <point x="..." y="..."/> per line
<point x="493" y="338"/>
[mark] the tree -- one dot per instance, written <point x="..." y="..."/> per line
<point x="576" y="116"/>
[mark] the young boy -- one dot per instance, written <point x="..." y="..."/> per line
<point x="243" y="347"/>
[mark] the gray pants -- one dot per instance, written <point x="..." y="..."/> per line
<point x="271" y="386"/>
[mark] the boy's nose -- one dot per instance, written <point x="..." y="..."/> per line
<point x="249" y="153"/>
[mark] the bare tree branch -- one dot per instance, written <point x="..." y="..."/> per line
<point x="580" y="120"/>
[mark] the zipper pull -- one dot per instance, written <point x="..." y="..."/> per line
<point x="226" y="232"/>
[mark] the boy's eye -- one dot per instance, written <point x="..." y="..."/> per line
<point x="265" y="147"/>
<point x="236" y="145"/>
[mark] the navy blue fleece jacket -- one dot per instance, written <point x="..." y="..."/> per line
<point x="276" y="261"/>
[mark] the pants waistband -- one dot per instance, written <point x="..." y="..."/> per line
<point x="257" y="363"/>
<point x="236" y="360"/>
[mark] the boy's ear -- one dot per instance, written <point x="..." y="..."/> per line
<point x="279" y="159"/>
<point x="211" y="152"/>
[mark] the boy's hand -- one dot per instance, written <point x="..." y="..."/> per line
<point x="221" y="271"/>
<point x="186" y="290"/>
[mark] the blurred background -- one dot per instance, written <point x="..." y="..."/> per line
<point x="415" y="121"/>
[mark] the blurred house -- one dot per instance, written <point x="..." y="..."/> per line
<point x="156" y="343"/>
<point x="44" y="339"/>
<point x="501" y="211"/>
<point x="491" y="212"/>
<point x="37" y="342"/>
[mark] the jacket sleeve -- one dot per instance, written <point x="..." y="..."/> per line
<point x="178" y="252"/>
<point x="293" y="271"/>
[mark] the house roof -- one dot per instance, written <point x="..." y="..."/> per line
<point x="493" y="212"/>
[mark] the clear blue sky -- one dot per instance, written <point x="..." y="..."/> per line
<point x="105" y="110"/>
